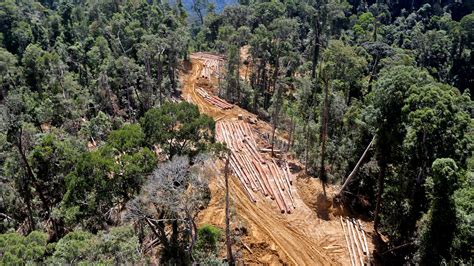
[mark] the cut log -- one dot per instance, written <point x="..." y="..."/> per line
<point x="247" y="248"/>
<point x="237" y="170"/>
<point x="280" y="191"/>
<point x="254" y="150"/>
<point x="347" y="242"/>
<point x="276" y="175"/>
<point x="247" y="190"/>
<point x="287" y="183"/>
<point x="351" y="240"/>
<point x="359" y="255"/>
<point x="365" y="243"/>
<point x="263" y="178"/>
<point x="270" y="150"/>
<point x="283" y="175"/>
<point x="287" y="168"/>
<point x="359" y="237"/>
<point x="248" y="172"/>
<point x="254" y="174"/>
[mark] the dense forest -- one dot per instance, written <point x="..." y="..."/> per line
<point x="99" y="152"/>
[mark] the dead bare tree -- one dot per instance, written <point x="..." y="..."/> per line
<point x="169" y="204"/>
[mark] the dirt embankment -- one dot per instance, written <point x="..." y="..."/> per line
<point x="311" y="235"/>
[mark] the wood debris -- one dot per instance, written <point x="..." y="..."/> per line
<point x="256" y="173"/>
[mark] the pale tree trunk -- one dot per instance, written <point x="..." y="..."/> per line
<point x="354" y="171"/>
<point x="230" y="258"/>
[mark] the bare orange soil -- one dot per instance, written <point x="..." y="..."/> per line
<point x="311" y="235"/>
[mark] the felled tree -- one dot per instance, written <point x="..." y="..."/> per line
<point x="169" y="204"/>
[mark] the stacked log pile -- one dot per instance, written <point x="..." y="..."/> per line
<point x="211" y="63"/>
<point x="356" y="241"/>
<point x="211" y="68"/>
<point x="214" y="100"/>
<point x="257" y="174"/>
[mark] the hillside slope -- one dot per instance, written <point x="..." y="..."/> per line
<point x="305" y="237"/>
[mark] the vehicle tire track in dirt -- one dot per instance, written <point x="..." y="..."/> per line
<point x="298" y="250"/>
<point x="296" y="239"/>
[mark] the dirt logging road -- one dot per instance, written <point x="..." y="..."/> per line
<point x="265" y="235"/>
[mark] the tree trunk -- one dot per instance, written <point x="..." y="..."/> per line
<point x="238" y="76"/>
<point x="290" y="137"/>
<point x="380" y="182"/>
<point x="356" y="167"/>
<point x="372" y="73"/>
<point x="159" y="78"/>
<point x="306" y="133"/>
<point x="315" y="49"/>
<point x="28" y="196"/>
<point x="324" y="128"/>
<point x="171" y="70"/>
<point x="230" y="258"/>
<point x="276" y="114"/>
<point x="274" y="125"/>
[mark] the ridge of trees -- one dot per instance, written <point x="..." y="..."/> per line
<point x="87" y="123"/>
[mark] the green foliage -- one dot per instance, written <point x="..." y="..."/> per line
<point x="208" y="238"/>
<point x="119" y="246"/>
<point x="434" y="110"/>
<point x="84" y="72"/>
<point x="467" y="29"/>
<point x="207" y="246"/>
<point x="108" y="176"/>
<point x="75" y="246"/>
<point x="417" y="121"/>
<point x="437" y="232"/>
<point x="16" y="249"/>
<point x="364" y="25"/>
<point x="127" y="138"/>
<point x="98" y="127"/>
<point x="345" y="67"/>
<point x="178" y="128"/>
<point x="464" y="236"/>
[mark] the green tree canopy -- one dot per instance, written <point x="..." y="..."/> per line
<point x="178" y="128"/>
